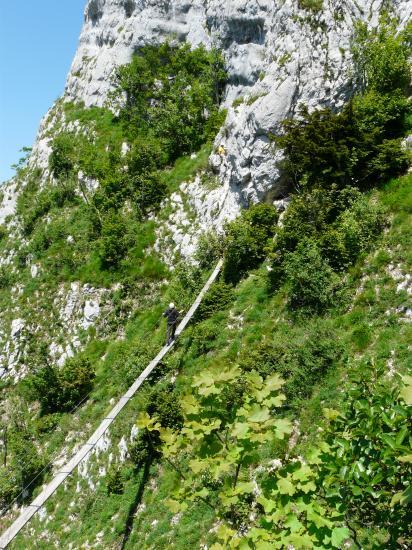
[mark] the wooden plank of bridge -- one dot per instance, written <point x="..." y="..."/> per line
<point x="27" y="513"/>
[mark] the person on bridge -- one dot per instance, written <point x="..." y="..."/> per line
<point x="172" y="316"/>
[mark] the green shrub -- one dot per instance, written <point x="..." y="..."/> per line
<point x="186" y="284"/>
<point x="128" y="367"/>
<point x="218" y="298"/>
<point x="141" y="450"/>
<point x="114" y="240"/>
<point x="300" y="362"/>
<point x="60" y="390"/>
<point x="204" y="337"/>
<point x="114" y="481"/>
<point x="209" y="249"/>
<point x="47" y="423"/>
<point x="149" y="189"/>
<point x="76" y="381"/>
<point x="6" y="277"/>
<point x="25" y="468"/>
<point x="382" y="54"/>
<point x="164" y="404"/>
<point x="173" y="94"/>
<point x="361" y="337"/>
<point x="247" y="240"/>
<point x="8" y="487"/>
<point x="61" y="159"/>
<point x="311" y="5"/>
<point x="358" y="228"/>
<point x="312" y="284"/>
<point x="325" y="148"/>
<point x="354" y="146"/>
<point x="343" y="223"/>
<point x="146" y="155"/>
<point x="3" y="232"/>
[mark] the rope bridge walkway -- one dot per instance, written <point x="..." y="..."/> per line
<point x="28" y="512"/>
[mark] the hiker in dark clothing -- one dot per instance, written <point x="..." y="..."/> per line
<point x="172" y="316"/>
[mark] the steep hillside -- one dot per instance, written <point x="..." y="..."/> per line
<point x="282" y="417"/>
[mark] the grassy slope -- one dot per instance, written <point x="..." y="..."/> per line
<point x="371" y="324"/>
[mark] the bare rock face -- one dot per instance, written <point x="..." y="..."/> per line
<point x="278" y="57"/>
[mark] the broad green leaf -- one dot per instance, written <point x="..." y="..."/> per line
<point x="405" y="458"/>
<point x="274" y="382"/>
<point x="205" y="378"/>
<point x="303" y="473"/>
<point x="203" y="493"/>
<point x="318" y="520"/>
<point x="300" y="542"/>
<point x="240" y="430"/>
<point x="144" y="421"/>
<point x="339" y="534"/>
<point x="404" y="497"/>
<point x="286" y="487"/>
<point x="263" y="545"/>
<point x="389" y="440"/>
<point x="308" y="487"/>
<point x="357" y="491"/>
<point x="331" y="414"/>
<point x="259" y="437"/>
<point x="174" y="506"/>
<point x="294" y="524"/>
<point x="244" y="488"/>
<point x="198" y="466"/>
<point x="407" y="495"/>
<point x="227" y="375"/>
<point x="397" y="498"/>
<point x="403" y="432"/>
<point x="189" y="405"/>
<point x="406" y="391"/>
<point x="254" y="380"/>
<point x="268" y="505"/>
<point x="283" y="427"/>
<point x="258" y="414"/>
<point x="275" y="401"/>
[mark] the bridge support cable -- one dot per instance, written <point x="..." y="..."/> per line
<point x="64" y="472"/>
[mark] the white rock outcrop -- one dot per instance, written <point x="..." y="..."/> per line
<point x="278" y="56"/>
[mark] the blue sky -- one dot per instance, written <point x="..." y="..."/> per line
<point x="38" y="39"/>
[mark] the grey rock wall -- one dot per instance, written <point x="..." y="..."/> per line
<point x="278" y="56"/>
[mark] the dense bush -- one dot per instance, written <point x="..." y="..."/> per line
<point x="247" y="240"/>
<point x="355" y="231"/>
<point x="344" y="224"/>
<point x="114" y="240"/>
<point x="359" y="145"/>
<point x="61" y="159"/>
<point x="114" y="480"/>
<point x="185" y="285"/>
<point x="209" y="249"/>
<point x="325" y="148"/>
<point x="301" y="362"/>
<point x="204" y="337"/>
<point x="62" y="389"/>
<point x="312" y="283"/>
<point x="381" y="55"/>
<point x="23" y="465"/>
<point x="172" y="93"/>
<point x="161" y="403"/>
<point x="218" y="298"/>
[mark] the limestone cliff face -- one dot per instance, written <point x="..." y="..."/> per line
<point x="278" y="56"/>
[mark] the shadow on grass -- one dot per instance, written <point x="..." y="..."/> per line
<point x="136" y="502"/>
